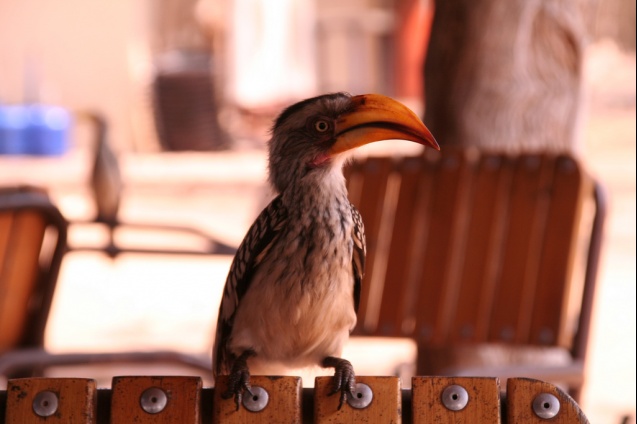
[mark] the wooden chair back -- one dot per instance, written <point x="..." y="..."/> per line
<point x="467" y="247"/>
<point x="32" y="243"/>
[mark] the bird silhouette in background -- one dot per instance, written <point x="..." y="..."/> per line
<point x="292" y="292"/>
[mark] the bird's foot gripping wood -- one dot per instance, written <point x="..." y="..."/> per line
<point x="239" y="379"/>
<point x="344" y="378"/>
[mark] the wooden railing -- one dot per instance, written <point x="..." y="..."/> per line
<point x="183" y="400"/>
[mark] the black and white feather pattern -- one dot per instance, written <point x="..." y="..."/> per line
<point x="358" y="257"/>
<point x="255" y="247"/>
<point x="251" y="252"/>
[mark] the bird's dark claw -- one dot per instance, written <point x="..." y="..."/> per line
<point x="344" y="378"/>
<point x="238" y="381"/>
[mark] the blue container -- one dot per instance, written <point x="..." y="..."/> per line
<point x="14" y="120"/>
<point x="34" y="130"/>
<point x="48" y="131"/>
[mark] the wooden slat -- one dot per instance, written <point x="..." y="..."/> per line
<point x="483" y="405"/>
<point x="384" y="408"/>
<point x="6" y="225"/>
<point x="371" y="204"/>
<point x="524" y="232"/>
<point x="284" y="404"/>
<point x="6" y="221"/>
<point x="76" y="399"/>
<point x="520" y="395"/>
<point x="397" y="311"/>
<point x="183" y="404"/>
<point x="557" y="253"/>
<point x="19" y="272"/>
<point x="437" y="285"/>
<point x="483" y="250"/>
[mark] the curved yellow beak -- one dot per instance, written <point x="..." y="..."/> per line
<point x="375" y="117"/>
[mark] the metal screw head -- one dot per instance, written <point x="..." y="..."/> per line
<point x="455" y="397"/>
<point x="45" y="403"/>
<point x="153" y="400"/>
<point x="257" y="401"/>
<point x="362" y="396"/>
<point x="546" y="406"/>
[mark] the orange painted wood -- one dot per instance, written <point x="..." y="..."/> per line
<point x="6" y="219"/>
<point x="384" y="408"/>
<point x="77" y="400"/>
<point x="397" y="310"/>
<point x="7" y="327"/>
<point x="483" y="406"/>
<point x="558" y="252"/>
<point x="456" y="254"/>
<point x="483" y="249"/>
<point x="371" y="204"/>
<point x="526" y="218"/>
<point x="284" y="404"/>
<point x="183" y="406"/>
<point x="480" y="249"/>
<point x="520" y="395"/>
<point x="19" y="266"/>
<point x="438" y="283"/>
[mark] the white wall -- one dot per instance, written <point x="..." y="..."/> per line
<point x="83" y="54"/>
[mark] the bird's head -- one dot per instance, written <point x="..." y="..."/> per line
<point x="313" y="135"/>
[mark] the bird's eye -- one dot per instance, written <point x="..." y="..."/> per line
<point x="321" y="125"/>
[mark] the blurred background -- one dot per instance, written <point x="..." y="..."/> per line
<point x="188" y="90"/>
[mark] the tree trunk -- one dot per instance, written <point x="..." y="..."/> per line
<point x="505" y="74"/>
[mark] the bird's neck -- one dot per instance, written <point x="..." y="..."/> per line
<point x="317" y="189"/>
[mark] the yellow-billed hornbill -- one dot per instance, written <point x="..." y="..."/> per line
<point x="293" y="288"/>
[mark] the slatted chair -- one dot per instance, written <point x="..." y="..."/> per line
<point x="32" y="243"/>
<point x="475" y="257"/>
<point x="33" y="237"/>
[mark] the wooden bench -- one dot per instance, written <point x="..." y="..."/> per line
<point x="182" y="400"/>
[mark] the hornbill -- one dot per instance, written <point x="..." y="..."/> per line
<point x="293" y="288"/>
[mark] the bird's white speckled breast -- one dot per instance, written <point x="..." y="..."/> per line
<point x="305" y="279"/>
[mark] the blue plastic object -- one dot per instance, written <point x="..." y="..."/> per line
<point x="34" y="130"/>
<point x="13" y="123"/>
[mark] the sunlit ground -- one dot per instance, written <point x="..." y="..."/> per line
<point x="610" y="152"/>
<point x="170" y="302"/>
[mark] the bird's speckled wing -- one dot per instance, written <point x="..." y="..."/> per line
<point x="250" y="254"/>
<point x="358" y="257"/>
